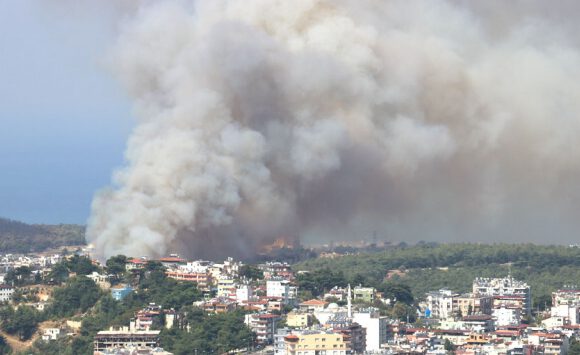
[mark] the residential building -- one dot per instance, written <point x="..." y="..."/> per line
<point x="504" y="287"/>
<point x="226" y="287"/>
<point x="202" y="279"/>
<point x="123" y="339"/>
<point x="468" y="304"/>
<point x="51" y="334"/>
<point x="569" y="311"/>
<point x="440" y="304"/>
<point x="135" y="264"/>
<point x="6" y="292"/>
<point x="279" y="344"/>
<point x="313" y="305"/>
<point x="505" y="316"/>
<point x="244" y="293"/>
<point x="172" y="261"/>
<point x="375" y="326"/>
<point x="299" y="320"/>
<point x="264" y="325"/>
<point x="316" y="343"/>
<point x="567" y="296"/>
<point x="278" y="288"/>
<point x="121" y="291"/>
<point x="219" y="305"/>
<point x="364" y="294"/>
<point x="101" y="280"/>
<point x="336" y="292"/>
<point x="276" y="269"/>
<point x="479" y="323"/>
<point x="552" y="343"/>
<point x="353" y="332"/>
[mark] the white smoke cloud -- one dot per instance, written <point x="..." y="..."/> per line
<point x="327" y="119"/>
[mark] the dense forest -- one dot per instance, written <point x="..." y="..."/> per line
<point x="428" y="267"/>
<point x="18" y="237"/>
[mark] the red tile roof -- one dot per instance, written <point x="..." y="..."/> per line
<point x="314" y="302"/>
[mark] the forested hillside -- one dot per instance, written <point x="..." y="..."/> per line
<point x="18" y="237"/>
<point x="431" y="267"/>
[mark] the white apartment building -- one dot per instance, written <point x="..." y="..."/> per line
<point x="226" y="287"/>
<point x="6" y="292"/>
<point x="51" y="334"/>
<point x="440" y="303"/>
<point x="570" y="312"/>
<point x="505" y="316"/>
<point x="375" y="325"/>
<point x="264" y="325"/>
<point x="244" y="293"/>
<point x="278" y="288"/>
<point x="506" y="286"/>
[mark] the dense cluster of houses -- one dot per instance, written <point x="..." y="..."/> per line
<point x="494" y="318"/>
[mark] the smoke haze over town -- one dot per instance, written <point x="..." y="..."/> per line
<point x="327" y="120"/>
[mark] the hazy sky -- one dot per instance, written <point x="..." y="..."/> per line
<point x="64" y="120"/>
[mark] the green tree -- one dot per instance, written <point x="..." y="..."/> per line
<point x="449" y="346"/>
<point x="251" y="272"/>
<point x="78" y="295"/>
<point x="574" y="347"/>
<point x="4" y="347"/>
<point x="59" y="273"/>
<point x="397" y="291"/>
<point x="81" y="265"/>
<point x="19" y="276"/>
<point x="22" y="322"/>
<point x="116" y="265"/>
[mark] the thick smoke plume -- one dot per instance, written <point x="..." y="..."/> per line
<point x="328" y="119"/>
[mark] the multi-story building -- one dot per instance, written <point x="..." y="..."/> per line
<point x="468" y="304"/>
<point x="51" y="334"/>
<point x="244" y="293"/>
<point x="364" y="294"/>
<point x="480" y="323"/>
<point x="276" y="270"/>
<point x="278" y="288"/>
<point x="313" y="305"/>
<point x="571" y="313"/>
<point x="202" y="279"/>
<point x="218" y="305"/>
<point x="336" y="292"/>
<point x="353" y="332"/>
<point x="124" y="338"/>
<point x="440" y="304"/>
<point x="316" y="343"/>
<point x="504" y="287"/>
<point x="568" y="296"/>
<point x="279" y="344"/>
<point x="6" y="292"/>
<point x="506" y="316"/>
<point x="121" y="291"/>
<point x="264" y="325"/>
<point x="101" y="280"/>
<point x="551" y="343"/>
<point x="226" y="287"/>
<point x="375" y="326"/>
<point x="299" y="320"/>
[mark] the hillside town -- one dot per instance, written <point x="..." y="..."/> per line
<point x="496" y="317"/>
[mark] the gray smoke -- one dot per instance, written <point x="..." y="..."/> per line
<point x="327" y="119"/>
